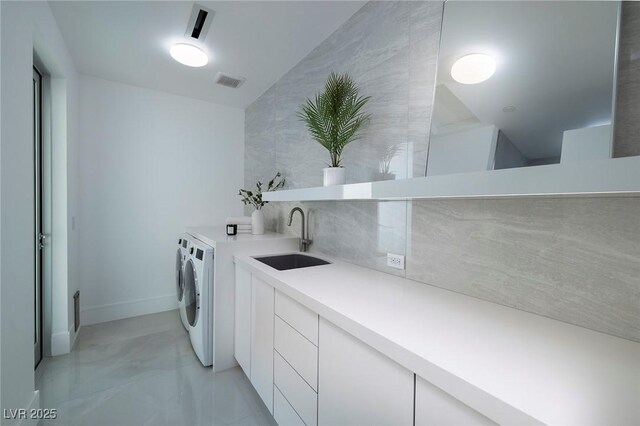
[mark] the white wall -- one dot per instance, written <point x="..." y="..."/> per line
<point x="589" y="143"/>
<point x="25" y="27"/>
<point x="507" y="154"/>
<point x="151" y="164"/>
<point x="465" y="151"/>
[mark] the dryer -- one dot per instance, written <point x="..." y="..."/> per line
<point x="181" y="258"/>
<point x="198" y="299"/>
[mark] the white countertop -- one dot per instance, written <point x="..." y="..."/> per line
<point x="212" y="235"/>
<point x="512" y="366"/>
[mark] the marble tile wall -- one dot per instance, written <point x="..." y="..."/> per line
<point x="576" y="260"/>
<point x="390" y="49"/>
<point x="573" y="259"/>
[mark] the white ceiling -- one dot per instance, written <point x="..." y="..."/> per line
<point x="555" y="64"/>
<point x="128" y="41"/>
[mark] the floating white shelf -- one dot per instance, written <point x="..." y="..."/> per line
<point x="607" y="177"/>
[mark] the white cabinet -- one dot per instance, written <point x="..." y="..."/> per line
<point x="358" y="385"/>
<point x="310" y="372"/>
<point x="298" y="351"/>
<point x="253" y="346"/>
<point x="262" y="314"/>
<point x="283" y="412"/>
<point x="303" y="320"/>
<point x="303" y="399"/>
<point x="296" y="358"/>
<point x="435" y="407"/>
<point x="242" y="316"/>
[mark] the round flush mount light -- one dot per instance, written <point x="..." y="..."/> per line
<point x="189" y="55"/>
<point x="473" y="69"/>
<point x="509" y="108"/>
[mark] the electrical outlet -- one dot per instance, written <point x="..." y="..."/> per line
<point x="395" y="261"/>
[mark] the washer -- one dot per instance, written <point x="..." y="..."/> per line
<point x="181" y="258"/>
<point x="198" y="299"/>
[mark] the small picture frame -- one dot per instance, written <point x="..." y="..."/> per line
<point x="232" y="229"/>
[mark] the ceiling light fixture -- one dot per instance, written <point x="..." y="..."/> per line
<point x="189" y="55"/>
<point x="474" y="68"/>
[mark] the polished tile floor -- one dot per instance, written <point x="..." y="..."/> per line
<point x="142" y="371"/>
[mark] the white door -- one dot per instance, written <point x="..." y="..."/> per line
<point x="39" y="232"/>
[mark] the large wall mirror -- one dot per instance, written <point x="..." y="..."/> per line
<point x="523" y="84"/>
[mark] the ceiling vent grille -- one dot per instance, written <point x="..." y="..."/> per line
<point x="199" y="22"/>
<point x="229" y="81"/>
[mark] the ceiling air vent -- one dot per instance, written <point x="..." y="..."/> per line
<point x="229" y="81"/>
<point x="199" y="22"/>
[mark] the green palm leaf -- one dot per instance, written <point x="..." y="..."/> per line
<point x="334" y="117"/>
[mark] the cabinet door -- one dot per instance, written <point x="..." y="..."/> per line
<point x="358" y="385"/>
<point x="262" y="310"/>
<point x="242" y="315"/>
<point x="434" y="407"/>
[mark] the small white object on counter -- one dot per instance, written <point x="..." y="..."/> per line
<point x="511" y="366"/>
<point x="257" y="222"/>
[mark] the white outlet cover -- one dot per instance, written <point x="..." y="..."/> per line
<point x="395" y="261"/>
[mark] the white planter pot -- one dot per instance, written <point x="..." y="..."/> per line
<point x="257" y="222"/>
<point x="334" y="176"/>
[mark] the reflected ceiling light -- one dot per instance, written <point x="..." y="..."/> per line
<point x="189" y="55"/>
<point x="473" y="69"/>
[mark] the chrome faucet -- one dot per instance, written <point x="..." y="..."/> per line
<point x="304" y="241"/>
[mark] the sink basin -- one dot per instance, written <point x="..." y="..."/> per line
<point x="291" y="261"/>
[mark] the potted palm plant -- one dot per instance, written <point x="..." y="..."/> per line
<point x="334" y="118"/>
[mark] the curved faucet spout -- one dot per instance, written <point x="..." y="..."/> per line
<point x="304" y="232"/>
<point x="293" y="210"/>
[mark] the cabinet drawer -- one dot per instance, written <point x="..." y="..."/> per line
<point x="283" y="412"/>
<point x="298" y="351"/>
<point x="302" y="398"/>
<point x="298" y="316"/>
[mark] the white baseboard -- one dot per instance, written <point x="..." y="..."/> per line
<point x="34" y="405"/>
<point x="62" y="343"/>
<point x="128" y="309"/>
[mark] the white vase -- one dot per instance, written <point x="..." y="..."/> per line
<point x="334" y="176"/>
<point x="257" y="222"/>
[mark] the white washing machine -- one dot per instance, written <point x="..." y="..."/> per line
<point x="181" y="258"/>
<point x="198" y="299"/>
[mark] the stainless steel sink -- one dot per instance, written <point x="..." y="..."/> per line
<point x="291" y="261"/>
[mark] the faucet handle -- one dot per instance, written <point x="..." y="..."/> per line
<point x="304" y="244"/>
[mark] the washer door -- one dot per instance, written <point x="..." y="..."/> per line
<point x="179" y="276"/>
<point x="191" y="293"/>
